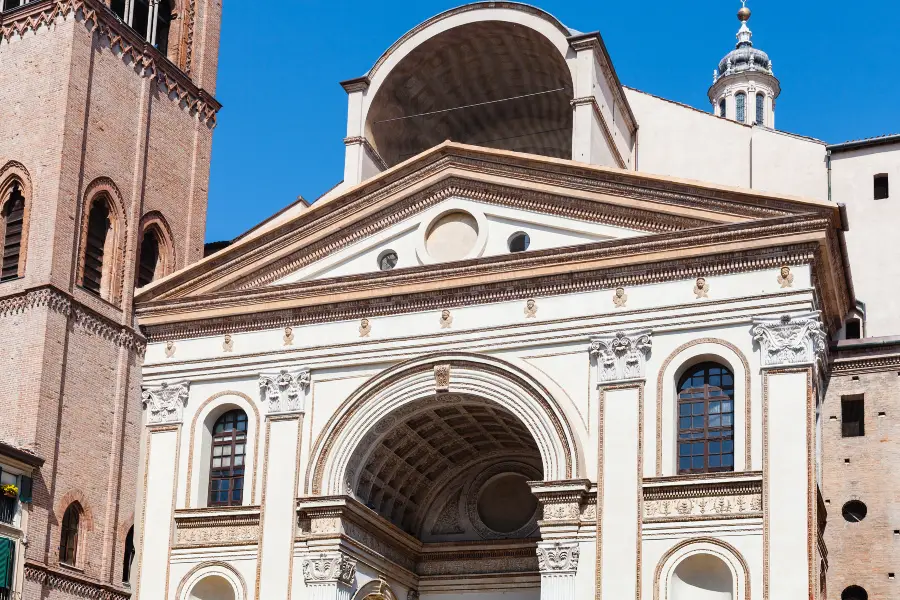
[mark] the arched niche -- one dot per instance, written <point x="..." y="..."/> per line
<point x="702" y="576"/>
<point x="702" y="569"/>
<point x="213" y="580"/>
<point x="474" y="57"/>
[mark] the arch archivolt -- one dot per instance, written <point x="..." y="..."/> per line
<point x="728" y="554"/>
<point x="519" y="14"/>
<point x="211" y="409"/>
<point x="682" y="358"/>
<point x="104" y="187"/>
<point x="155" y="220"/>
<point x="212" y="569"/>
<point x="372" y="411"/>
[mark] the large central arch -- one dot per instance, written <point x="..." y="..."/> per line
<point x="373" y="409"/>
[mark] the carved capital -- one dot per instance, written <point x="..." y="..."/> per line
<point x="165" y="404"/>
<point x="621" y="357"/>
<point x="333" y="568"/>
<point x="788" y="341"/>
<point x="558" y="557"/>
<point x="285" y="391"/>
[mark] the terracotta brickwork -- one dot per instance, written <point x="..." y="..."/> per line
<point x="87" y="107"/>
<point x="865" y="552"/>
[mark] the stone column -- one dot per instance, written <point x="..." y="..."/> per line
<point x="565" y="510"/>
<point x="621" y="361"/>
<point x="163" y="406"/>
<point x="558" y="563"/>
<point x="791" y="348"/>
<point x="329" y="576"/>
<point x="284" y="394"/>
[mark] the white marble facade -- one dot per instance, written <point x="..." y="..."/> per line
<point x="486" y="374"/>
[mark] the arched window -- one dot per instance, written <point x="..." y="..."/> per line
<point x="13" y="224"/>
<point x="722" y="107"/>
<point x="760" y="109"/>
<point x="163" y="25"/>
<point x="129" y="556"/>
<point x="740" y="104"/>
<point x="229" y="447"/>
<point x="96" y="277"/>
<point x="68" y="536"/>
<point x="148" y="263"/>
<point x="706" y="419"/>
<point x="152" y="19"/>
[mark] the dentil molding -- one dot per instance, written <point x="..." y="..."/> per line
<point x="285" y="391"/>
<point x="790" y="340"/>
<point x="165" y="404"/>
<point x="621" y="357"/>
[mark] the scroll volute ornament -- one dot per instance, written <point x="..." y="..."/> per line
<point x="285" y="391"/>
<point x="621" y="357"/>
<point x="329" y="568"/>
<point x="165" y="404"/>
<point x="558" y="558"/>
<point x="790" y="340"/>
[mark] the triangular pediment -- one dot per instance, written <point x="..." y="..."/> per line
<point x="476" y="199"/>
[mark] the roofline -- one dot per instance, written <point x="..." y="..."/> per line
<point x="884" y="140"/>
<point x="21" y="455"/>
<point x="620" y="89"/>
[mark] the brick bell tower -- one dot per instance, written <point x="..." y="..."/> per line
<point x="106" y="121"/>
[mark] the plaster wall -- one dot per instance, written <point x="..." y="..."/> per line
<point x="680" y="141"/>
<point x="876" y="272"/>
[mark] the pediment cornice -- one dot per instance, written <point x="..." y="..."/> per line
<point x="612" y="196"/>
<point x="707" y="251"/>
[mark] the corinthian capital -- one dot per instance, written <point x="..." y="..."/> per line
<point x="797" y="340"/>
<point x="558" y="557"/>
<point x="329" y="568"/>
<point x="165" y="404"/>
<point x="622" y="356"/>
<point x="285" y="391"/>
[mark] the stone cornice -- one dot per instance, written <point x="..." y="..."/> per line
<point x="98" y="18"/>
<point x="83" y="317"/>
<point x="638" y="261"/>
<point x="623" y="198"/>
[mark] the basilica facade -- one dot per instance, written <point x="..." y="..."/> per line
<point x="551" y="337"/>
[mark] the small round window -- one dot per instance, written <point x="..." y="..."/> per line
<point x="519" y="242"/>
<point x="387" y="260"/>
<point x="854" y="511"/>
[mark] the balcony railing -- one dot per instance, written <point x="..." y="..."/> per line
<point x="9" y="508"/>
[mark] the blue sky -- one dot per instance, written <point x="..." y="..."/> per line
<point x="284" y="115"/>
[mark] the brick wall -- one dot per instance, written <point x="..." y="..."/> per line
<point x="863" y="553"/>
<point x="76" y="109"/>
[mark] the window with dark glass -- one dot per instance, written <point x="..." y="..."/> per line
<point x="163" y="25"/>
<point x="13" y="222"/>
<point x="129" y="556"/>
<point x="11" y="4"/>
<point x="740" y="102"/>
<point x="706" y="419"/>
<point x="149" y="260"/>
<point x="68" y="536"/>
<point x="881" y="187"/>
<point x="722" y="107"/>
<point x="760" y="109"/>
<point x="118" y="7"/>
<point x="853" y="329"/>
<point x="98" y="230"/>
<point x="853" y="423"/>
<point x="226" y="473"/>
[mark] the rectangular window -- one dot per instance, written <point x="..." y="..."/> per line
<point x="760" y="109"/>
<point x="881" y="187"/>
<point x="740" y="104"/>
<point x="853" y="329"/>
<point x="853" y="416"/>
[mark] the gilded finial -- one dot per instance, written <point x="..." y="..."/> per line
<point x="744" y="13"/>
